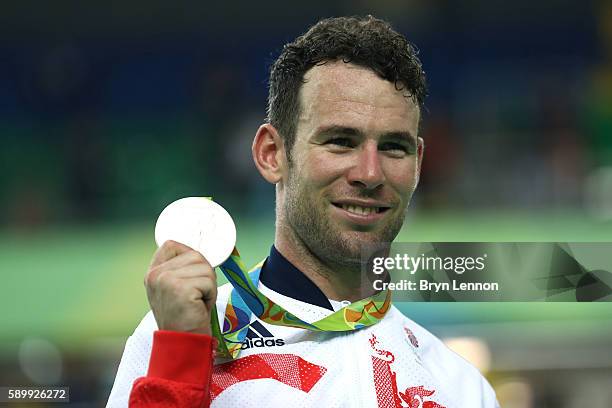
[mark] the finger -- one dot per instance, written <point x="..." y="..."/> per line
<point x="162" y="273"/>
<point x="184" y="259"/>
<point x="188" y="271"/>
<point x="203" y="288"/>
<point x="167" y="251"/>
<point x="200" y="288"/>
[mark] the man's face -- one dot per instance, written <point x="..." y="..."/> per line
<point x="355" y="162"/>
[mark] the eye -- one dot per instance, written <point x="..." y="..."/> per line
<point x="396" y="149"/>
<point x="341" y="142"/>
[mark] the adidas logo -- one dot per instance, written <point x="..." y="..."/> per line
<point x="259" y="336"/>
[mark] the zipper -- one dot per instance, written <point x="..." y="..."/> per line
<point x="355" y="356"/>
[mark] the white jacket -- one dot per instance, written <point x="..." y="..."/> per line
<point x="395" y="363"/>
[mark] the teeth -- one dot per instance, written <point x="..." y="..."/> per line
<point x="355" y="209"/>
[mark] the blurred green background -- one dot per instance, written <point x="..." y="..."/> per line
<point x="75" y="284"/>
<point x="110" y="112"/>
<point x="79" y="290"/>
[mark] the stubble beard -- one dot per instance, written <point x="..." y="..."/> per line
<point x="313" y="226"/>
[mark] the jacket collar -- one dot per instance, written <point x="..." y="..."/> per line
<point x="278" y="274"/>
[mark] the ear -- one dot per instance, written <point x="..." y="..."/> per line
<point x="269" y="153"/>
<point x="420" y="149"/>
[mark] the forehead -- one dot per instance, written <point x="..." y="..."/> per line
<point x="344" y="94"/>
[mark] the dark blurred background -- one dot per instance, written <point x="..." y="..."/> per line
<point x="111" y="110"/>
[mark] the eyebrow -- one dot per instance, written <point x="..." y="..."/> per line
<point x="336" y="130"/>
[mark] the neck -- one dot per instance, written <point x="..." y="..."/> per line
<point x="337" y="282"/>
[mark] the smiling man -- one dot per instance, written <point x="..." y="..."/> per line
<point x="349" y="175"/>
<point x="341" y="146"/>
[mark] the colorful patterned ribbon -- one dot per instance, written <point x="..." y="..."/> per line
<point x="246" y="300"/>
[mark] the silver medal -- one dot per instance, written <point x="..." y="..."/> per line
<point x="201" y="224"/>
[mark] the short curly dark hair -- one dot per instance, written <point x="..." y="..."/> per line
<point x="365" y="41"/>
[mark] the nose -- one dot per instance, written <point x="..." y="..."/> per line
<point x="367" y="171"/>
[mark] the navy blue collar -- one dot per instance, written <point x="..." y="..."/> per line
<point x="278" y="274"/>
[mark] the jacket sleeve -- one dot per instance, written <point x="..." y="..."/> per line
<point x="179" y="373"/>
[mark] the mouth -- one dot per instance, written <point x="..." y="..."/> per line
<point x="361" y="209"/>
<point x="361" y="213"/>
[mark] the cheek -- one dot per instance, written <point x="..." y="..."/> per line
<point x="402" y="177"/>
<point x="320" y="170"/>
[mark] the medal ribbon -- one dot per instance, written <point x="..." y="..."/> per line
<point x="246" y="300"/>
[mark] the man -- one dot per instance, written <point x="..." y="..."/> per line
<point x="341" y="147"/>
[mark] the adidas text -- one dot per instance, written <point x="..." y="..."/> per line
<point x="249" y="343"/>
